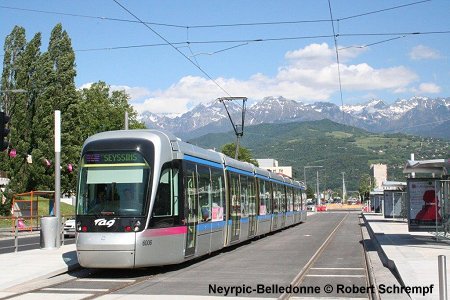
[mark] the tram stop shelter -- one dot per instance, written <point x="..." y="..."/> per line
<point x="394" y="199"/>
<point x="376" y="198"/>
<point x="428" y="202"/>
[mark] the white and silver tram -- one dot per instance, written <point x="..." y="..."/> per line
<point x="145" y="198"/>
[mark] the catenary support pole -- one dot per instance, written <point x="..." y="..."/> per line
<point x="58" y="175"/>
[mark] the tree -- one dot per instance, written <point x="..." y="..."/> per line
<point x="48" y="80"/>
<point x="19" y="69"/>
<point x="14" y="45"/>
<point x="56" y="85"/>
<point x="366" y="185"/>
<point x="243" y="155"/>
<point x="22" y="113"/>
<point x="310" y="193"/>
<point x="99" y="110"/>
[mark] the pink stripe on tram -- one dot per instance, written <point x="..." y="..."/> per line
<point x="166" y="231"/>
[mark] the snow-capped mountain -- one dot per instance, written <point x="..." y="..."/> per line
<point x="376" y="116"/>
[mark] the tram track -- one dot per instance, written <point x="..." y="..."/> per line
<point x="318" y="267"/>
<point x="301" y="275"/>
<point x="322" y="261"/>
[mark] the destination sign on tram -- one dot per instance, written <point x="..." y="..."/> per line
<point x="113" y="158"/>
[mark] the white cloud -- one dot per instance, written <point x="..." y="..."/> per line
<point x="171" y="106"/>
<point x="85" y="86"/>
<point x="427" y="88"/>
<point x="310" y="74"/>
<point x="421" y="52"/>
<point x="135" y="93"/>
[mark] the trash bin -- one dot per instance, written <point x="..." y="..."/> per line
<point x="49" y="229"/>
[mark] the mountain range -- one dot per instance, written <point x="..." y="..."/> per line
<point x="336" y="147"/>
<point x="418" y="116"/>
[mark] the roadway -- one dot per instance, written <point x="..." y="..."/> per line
<point x="324" y="252"/>
<point x="26" y="243"/>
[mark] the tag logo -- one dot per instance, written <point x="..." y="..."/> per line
<point x="103" y="222"/>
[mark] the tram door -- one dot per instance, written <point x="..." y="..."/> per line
<point x="275" y="206"/>
<point x="190" y="209"/>
<point x="252" y="221"/>
<point x="235" y="209"/>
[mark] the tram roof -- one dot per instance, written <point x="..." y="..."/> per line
<point x="437" y="166"/>
<point x="135" y="133"/>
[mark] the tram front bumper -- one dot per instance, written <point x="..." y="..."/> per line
<point x="106" y="250"/>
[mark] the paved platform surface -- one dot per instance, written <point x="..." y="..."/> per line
<point x="19" y="271"/>
<point x="413" y="255"/>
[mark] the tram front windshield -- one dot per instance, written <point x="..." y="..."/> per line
<point x="113" y="183"/>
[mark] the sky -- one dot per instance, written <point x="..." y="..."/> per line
<point x="191" y="52"/>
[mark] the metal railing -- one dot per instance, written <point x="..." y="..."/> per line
<point x="20" y="228"/>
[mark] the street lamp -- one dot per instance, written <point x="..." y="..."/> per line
<point x="317" y="178"/>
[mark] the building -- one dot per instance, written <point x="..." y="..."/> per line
<point x="379" y="172"/>
<point x="267" y="163"/>
<point x="272" y="165"/>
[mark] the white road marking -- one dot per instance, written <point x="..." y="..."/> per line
<point x="106" y="280"/>
<point x="335" y="275"/>
<point x="75" y="290"/>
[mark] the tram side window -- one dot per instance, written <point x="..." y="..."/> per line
<point x="290" y="199"/>
<point x="282" y="190"/>
<point x="251" y="197"/>
<point x="276" y="198"/>
<point x="204" y="193"/>
<point x="297" y="200"/>
<point x="235" y="209"/>
<point x="303" y="200"/>
<point x="165" y="209"/>
<point x="265" y="206"/>
<point x="190" y="191"/>
<point x="218" y="195"/>
<point x="244" y="196"/>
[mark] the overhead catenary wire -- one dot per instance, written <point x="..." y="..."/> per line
<point x="190" y="60"/>
<point x="375" y="43"/>
<point x="338" y="63"/>
<point x="212" y="25"/>
<point x="173" y="46"/>
<point x="402" y="34"/>
<point x="382" y="10"/>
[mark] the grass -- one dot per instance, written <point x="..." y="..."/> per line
<point x="339" y="134"/>
<point x="67" y="210"/>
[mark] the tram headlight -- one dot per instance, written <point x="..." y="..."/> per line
<point x="137" y="225"/>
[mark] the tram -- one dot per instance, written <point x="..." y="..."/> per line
<point x="146" y="198"/>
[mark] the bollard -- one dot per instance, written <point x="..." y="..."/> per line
<point x="442" y="277"/>
<point x="63" y="221"/>
<point x="16" y="234"/>
<point x="49" y="232"/>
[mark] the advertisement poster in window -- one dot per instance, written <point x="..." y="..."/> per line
<point x="423" y="202"/>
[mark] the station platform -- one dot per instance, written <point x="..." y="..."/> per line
<point x="412" y="256"/>
<point x="26" y="270"/>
